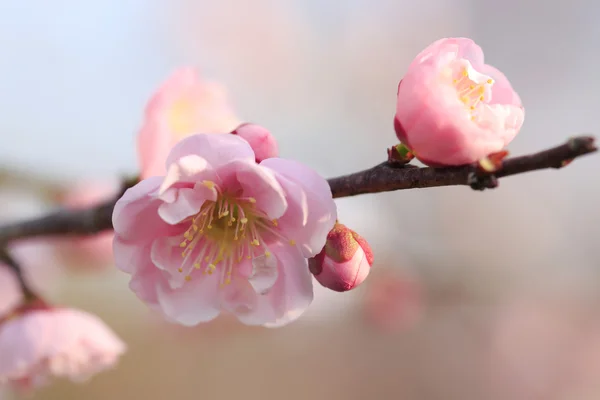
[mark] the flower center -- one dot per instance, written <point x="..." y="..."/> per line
<point x="223" y="233"/>
<point x="472" y="87"/>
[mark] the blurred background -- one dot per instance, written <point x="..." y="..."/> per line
<point x="491" y="295"/>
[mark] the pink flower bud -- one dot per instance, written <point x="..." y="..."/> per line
<point x="454" y="109"/>
<point x="344" y="262"/>
<point x="260" y="139"/>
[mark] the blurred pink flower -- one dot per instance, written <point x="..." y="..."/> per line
<point x="262" y="142"/>
<point x="39" y="344"/>
<point x="345" y="261"/>
<point x="220" y="231"/>
<point x="183" y="105"/>
<point x="88" y="252"/>
<point x="452" y="108"/>
<point x="392" y="302"/>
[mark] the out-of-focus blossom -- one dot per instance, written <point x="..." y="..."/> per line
<point x="262" y="142"/>
<point x="344" y="262"/>
<point x="184" y="105"/>
<point x="87" y="252"/>
<point x="453" y="108"/>
<point x="220" y="231"/>
<point x="40" y="344"/>
<point x="392" y="302"/>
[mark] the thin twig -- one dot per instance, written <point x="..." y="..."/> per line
<point x="381" y="178"/>
<point x="386" y="178"/>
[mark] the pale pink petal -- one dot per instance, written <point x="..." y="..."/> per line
<point x="196" y="301"/>
<point x="502" y="90"/>
<point x="217" y="150"/>
<point x="284" y="302"/>
<point x="302" y="174"/>
<point x="311" y="210"/>
<point x="257" y="182"/>
<point x="264" y="273"/>
<point x="188" y="203"/>
<point x="138" y="207"/>
<point x="188" y="169"/>
<point x="458" y="47"/>
<point x="295" y="292"/>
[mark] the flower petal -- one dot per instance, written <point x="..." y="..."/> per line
<point x="217" y="150"/>
<point x="311" y="210"/>
<point x="187" y="203"/>
<point x="456" y="47"/>
<point x="285" y="302"/>
<point x="189" y="169"/>
<point x="135" y="213"/>
<point x="502" y="90"/>
<point x="295" y="292"/>
<point x="264" y="273"/>
<point x="197" y="301"/>
<point x="257" y="182"/>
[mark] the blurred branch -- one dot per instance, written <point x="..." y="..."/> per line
<point x="79" y="222"/>
<point x="386" y="177"/>
<point x="9" y="261"/>
<point x="381" y="178"/>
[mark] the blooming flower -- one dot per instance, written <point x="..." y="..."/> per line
<point x="39" y="344"/>
<point x="452" y="108"/>
<point x="182" y="106"/>
<point x="220" y="231"/>
<point x="344" y="262"/>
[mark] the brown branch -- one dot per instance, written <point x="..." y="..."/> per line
<point x="385" y="177"/>
<point x="381" y="178"/>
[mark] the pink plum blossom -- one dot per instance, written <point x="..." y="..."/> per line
<point x="220" y="231"/>
<point x="345" y="261"/>
<point x="262" y="142"/>
<point x="453" y="108"/>
<point x="88" y="252"/>
<point x="184" y="105"/>
<point x="42" y="343"/>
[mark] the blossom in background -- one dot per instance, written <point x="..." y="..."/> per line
<point x="38" y="344"/>
<point x="392" y="301"/>
<point x="183" y="105"/>
<point x="344" y="262"/>
<point x="87" y="252"/>
<point x="220" y="231"/>
<point x="452" y="108"/>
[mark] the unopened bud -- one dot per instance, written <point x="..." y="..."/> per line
<point x="344" y="262"/>
<point x="260" y="139"/>
<point x="400" y="154"/>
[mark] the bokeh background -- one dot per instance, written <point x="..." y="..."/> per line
<point x="491" y="295"/>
